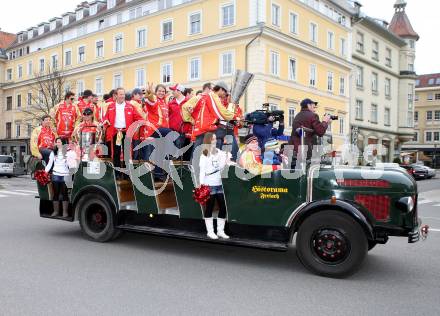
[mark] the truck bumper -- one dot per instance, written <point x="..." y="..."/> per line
<point x="422" y="231"/>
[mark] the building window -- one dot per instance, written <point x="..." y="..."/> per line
<point x="79" y="87"/>
<point x="54" y="62"/>
<point x="140" y="78"/>
<point x="118" y="43"/>
<point x="373" y="113"/>
<point x="135" y="13"/>
<point x="360" y="77"/>
<point x="416" y="137"/>
<point x="8" y="103"/>
<point x="292" y="69"/>
<point x="359" y="109"/>
<point x="276" y="15"/>
<point x="41" y="65"/>
<point x="164" y="4"/>
<point x="416" y="97"/>
<point x="8" y="130"/>
<point x="141" y="38"/>
<point x="387" y="87"/>
<point x="412" y="44"/>
<point x="341" y="125"/>
<point x="313" y="33"/>
<point x="388" y="58"/>
<point x="428" y="136"/>
<point x="430" y="97"/>
<point x="360" y="42"/>
<point x="93" y="9"/>
<point x="166" y="73"/>
<point x="117" y="80"/>
<point x="111" y="4"/>
<point x="275" y="63"/>
<point x="343" y="47"/>
<point x="9" y="74"/>
<point x="227" y="64"/>
<point x="228" y="15"/>
<point x="436" y="136"/>
<point x="342" y="85"/>
<point x="416" y="116"/>
<point x="29" y="129"/>
<point x="437" y="115"/>
<point x="330" y="40"/>
<point x="29" y="98"/>
<point x="375" y="52"/>
<point x="374" y="82"/>
<point x="429" y="115"/>
<point x="81" y="54"/>
<point x="19" y="101"/>
<point x="195" y="23"/>
<point x="330" y="81"/>
<point x="293" y="23"/>
<point x="431" y="81"/>
<point x="410" y="119"/>
<point x="167" y="30"/>
<point x="312" y="75"/>
<point x="194" y="69"/>
<point x="30" y="68"/>
<point x="99" y="49"/>
<point x="291" y="116"/>
<point x="437" y="96"/>
<point x="68" y="58"/>
<point x="20" y="71"/>
<point x="99" y="87"/>
<point x="17" y="130"/>
<point x="387" y="117"/>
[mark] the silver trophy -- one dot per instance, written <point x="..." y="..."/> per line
<point x="87" y="140"/>
<point x="241" y="82"/>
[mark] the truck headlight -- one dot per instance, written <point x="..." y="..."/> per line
<point x="406" y="204"/>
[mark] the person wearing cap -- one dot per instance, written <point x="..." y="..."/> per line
<point x="271" y="154"/>
<point x="87" y="125"/>
<point x="266" y="131"/>
<point x="210" y="111"/>
<point x="250" y="158"/>
<point x="85" y="101"/>
<point x="175" y="115"/>
<point x="66" y="116"/>
<point x="308" y="118"/>
<point x="138" y="136"/>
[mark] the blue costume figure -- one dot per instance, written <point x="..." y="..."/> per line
<point x="265" y="131"/>
<point x="271" y="154"/>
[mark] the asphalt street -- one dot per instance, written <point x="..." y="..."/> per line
<point x="47" y="268"/>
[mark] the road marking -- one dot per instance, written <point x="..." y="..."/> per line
<point x="436" y="205"/>
<point x="27" y="191"/>
<point x="434" y="218"/>
<point x="424" y="201"/>
<point x="13" y="193"/>
<point x="3" y="196"/>
<point x="434" y="229"/>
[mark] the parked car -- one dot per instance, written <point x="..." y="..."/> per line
<point x="431" y="172"/>
<point x="420" y="172"/>
<point x="6" y="165"/>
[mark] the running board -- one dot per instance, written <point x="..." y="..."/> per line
<point x="170" y="232"/>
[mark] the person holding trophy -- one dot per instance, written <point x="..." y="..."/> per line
<point x="87" y="133"/>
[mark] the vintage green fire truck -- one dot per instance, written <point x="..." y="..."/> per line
<point x="336" y="213"/>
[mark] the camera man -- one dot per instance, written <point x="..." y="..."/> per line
<point x="308" y="119"/>
<point x="263" y="124"/>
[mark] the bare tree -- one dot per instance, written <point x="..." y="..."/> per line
<point x="47" y="91"/>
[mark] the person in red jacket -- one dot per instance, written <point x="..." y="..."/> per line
<point x="118" y="119"/>
<point x="66" y="116"/>
<point x="210" y="112"/>
<point x="176" y="120"/>
<point x="43" y="139"/>
<point x="85" y="102"/>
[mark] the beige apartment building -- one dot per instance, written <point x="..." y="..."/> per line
<point x="426" y="140"/>
<point x="295" y="48"/>
<point x="382" y="107"/>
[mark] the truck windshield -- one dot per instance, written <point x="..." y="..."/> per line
<point x="6" y="159"/>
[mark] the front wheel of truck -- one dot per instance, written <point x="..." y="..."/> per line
<point x="331" y="243"/>
<point x="96" y="218"/>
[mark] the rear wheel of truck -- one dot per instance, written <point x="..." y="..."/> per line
<point x="331" y="243"/>
<point x="96" y="218"/>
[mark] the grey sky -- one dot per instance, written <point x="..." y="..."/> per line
<point x="19" y="15"/>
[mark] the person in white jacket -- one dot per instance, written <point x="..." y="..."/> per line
<point x="60" y="169"/>
<point x="212" y="162"/>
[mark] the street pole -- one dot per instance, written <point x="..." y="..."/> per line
<point x="434" y="158"/>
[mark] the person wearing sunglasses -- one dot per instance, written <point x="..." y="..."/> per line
<point x="66" y="115"/>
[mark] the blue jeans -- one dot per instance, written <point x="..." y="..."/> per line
<point x="216" y="189"/>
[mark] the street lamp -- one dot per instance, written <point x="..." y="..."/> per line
<point x="434" y="156"/>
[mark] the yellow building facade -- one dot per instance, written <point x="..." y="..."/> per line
<point x="295" y="48"/>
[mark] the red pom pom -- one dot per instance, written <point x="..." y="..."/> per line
<point x="201" y="195"/>
<point x="42" y="177"/>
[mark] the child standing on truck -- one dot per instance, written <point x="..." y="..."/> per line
<point x="60" y="169"/>
<point x="212" y="162"/>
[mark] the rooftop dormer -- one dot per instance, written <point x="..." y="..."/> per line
<point x="54" y="23"/>
<point x="43" y="28"/>
<point x="68" y="18"/>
